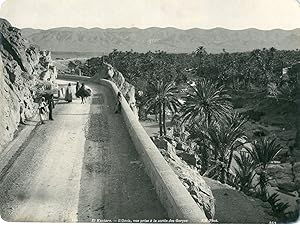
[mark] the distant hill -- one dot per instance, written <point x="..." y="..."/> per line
<point x="95" y="40"/>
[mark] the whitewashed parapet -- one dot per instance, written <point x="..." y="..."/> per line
<point x="172" y="194"/>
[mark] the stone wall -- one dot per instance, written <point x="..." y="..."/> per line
<point x="171" y="192"/>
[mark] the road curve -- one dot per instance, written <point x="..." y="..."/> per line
<point x="81" y="167"/>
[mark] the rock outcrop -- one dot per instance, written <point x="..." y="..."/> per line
<point x="107" y="71"/>
<point x="23" y="70"/>
<point x="285" y="176"/>
<point x="190" y="178"/>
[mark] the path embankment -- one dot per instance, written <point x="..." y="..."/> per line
<point x="171" y="192"/>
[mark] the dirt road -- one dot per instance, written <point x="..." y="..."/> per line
<point x="80" y="167"/>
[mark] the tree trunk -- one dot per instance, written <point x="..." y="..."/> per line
<point x="160" y="122"/>
<point x="204" y="157"/>
<point x="223" y="174"/>
<point x="155" y="112"/>
<point x="208" y="119"/>
<point x="229" y="162"/>
<point x="263" y="184"/>
<point x="164" y="118"/>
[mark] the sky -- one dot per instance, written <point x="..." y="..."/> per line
<point x="183" y="14"/>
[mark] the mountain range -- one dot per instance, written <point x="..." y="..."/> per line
<point x="173" y="40"/>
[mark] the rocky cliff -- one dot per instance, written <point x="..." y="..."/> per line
<point x="107" y="71"/>
<point x="25" y="71"/>
<point x="189" y="176"/>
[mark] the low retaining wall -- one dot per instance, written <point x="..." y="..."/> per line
<point x="172" y="194"/>
<point x="74" y="78"/>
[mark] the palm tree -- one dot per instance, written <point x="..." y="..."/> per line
<point x="244" y="171"/>
<point x="224" y="139"/>
<point x="206" y="102"/>
<point x="162" y="96"/>
<point x="198" y="134"/>
<point x="219" y="141"/>
<point x="236" y="123"/>
<point x="200" y="52"/>
<point x="263" y="152"/>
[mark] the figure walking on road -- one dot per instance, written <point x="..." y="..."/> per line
<point x="77" y="87"/>
<point x="42" y="110"/>
<point x="22" y="116"/>
<point x="83" y="92"/>
<point x="68" y="96"/>
<point x="51" y="106"/>
<point x="118" y="106"/>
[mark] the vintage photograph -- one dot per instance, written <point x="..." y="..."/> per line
<point x="150" y="111"/>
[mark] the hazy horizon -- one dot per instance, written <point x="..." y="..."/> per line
<point x="116" y="28"/>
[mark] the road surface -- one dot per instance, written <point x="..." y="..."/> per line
<point x="80" y="167"/>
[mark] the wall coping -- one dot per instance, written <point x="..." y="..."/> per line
<point x="177" y="201"/>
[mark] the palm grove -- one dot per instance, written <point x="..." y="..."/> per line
<point x="205" y="95"/>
